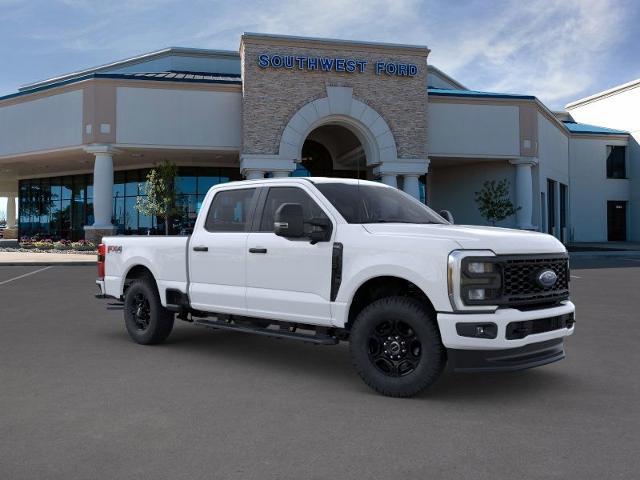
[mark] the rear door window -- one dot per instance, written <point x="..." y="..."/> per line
<point x="230" y="211"/>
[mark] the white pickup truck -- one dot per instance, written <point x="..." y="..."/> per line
<point x="326" y="260"/>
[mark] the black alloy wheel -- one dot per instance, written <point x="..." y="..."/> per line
<point x="395" y="346"/>
<point x="147" y="321"/>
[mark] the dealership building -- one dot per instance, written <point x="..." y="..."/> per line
<point x="75" y="149"/>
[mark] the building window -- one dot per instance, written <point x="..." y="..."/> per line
<point x="616" y="161"/>
<point x="60" y="207"/>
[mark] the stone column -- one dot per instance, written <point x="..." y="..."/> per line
<point x="11" y="232"/>
<point x="254" y="166"/>
<point x="102" y="193"/>
<point x="253" y="174"/>
<point x="11" y="212"/>
<point x="524" y="191"/>
<point x="390" y="179"/>
<point x="409" y="169"/>
<point x="411" y="185"/>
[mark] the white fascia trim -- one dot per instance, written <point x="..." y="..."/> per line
<point x="403" y="167"/>
<point x="155" y="146"/>
<point x="265" y="163"/>
<point x="604" y="93"/>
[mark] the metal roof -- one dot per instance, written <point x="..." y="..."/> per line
<point x="575" y="127"/>
<point x="444" y="92"/>
<point x="176" y="75"/>
<point x="145" y="57"/>
<point x="186" y="77"/>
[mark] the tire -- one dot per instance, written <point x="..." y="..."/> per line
<point x="147" y="321"/>
<point x="396" y="348"/>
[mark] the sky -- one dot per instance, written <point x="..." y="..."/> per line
<point x="558" y="50"/>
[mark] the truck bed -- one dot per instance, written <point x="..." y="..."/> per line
<point x="165" y="257"/>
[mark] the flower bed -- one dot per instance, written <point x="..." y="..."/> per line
<point x="47" y="245"/>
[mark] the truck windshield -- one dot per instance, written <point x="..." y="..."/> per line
<point x="376" y="204"/>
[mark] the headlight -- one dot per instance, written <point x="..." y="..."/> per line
<point x="475" y="280"/>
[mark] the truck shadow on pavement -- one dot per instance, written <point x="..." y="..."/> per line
<point x="332" y="366"/>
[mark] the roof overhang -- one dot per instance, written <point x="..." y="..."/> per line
<point x="145" y="57"/>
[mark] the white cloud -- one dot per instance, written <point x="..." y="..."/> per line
<point x="554" y="49"/>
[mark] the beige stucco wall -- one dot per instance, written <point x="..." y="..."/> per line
<point x="50" y="122"/>
<point x="272" y="96"/>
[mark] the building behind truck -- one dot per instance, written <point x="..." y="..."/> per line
<point x="75" y="149"/>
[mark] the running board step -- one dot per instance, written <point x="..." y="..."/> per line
<point x="266" y="332"/>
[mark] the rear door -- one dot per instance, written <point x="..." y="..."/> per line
<point x="617" y="221"/>
<point x="218" y="253"/>
<point x="288" y="279"/>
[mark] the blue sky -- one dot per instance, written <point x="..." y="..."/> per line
<point x="558" y="50"/>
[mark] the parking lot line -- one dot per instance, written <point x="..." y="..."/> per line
<point x="25" y="275"/>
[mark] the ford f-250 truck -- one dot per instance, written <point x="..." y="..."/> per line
<point x="326" y="260"/>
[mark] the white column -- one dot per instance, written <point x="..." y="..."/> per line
<point x="524" y="191"/>
<point x="254" y="166"/>
<point x="390" y="179"/>
<point x="411" y="185"/>
<point x="102" y="191"/>
<point x="11" y="212"/>
<point x="253" y="174"/>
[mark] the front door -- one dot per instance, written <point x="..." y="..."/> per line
<point x="617" y="221"/>
<point x="288" y="279"/>
<point x="218" y="253"/>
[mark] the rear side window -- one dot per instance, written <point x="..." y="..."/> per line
<point x="279" y="195"/>
<point x="229" y="211"/>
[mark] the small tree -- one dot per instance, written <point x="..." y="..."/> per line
<point x="160" y="199"/>
<point x="493" y="201"/>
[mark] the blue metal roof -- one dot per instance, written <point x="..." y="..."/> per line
<point x="444" y="92"/>
<point x="575" y="127"/>
<point x="173" y="76"/>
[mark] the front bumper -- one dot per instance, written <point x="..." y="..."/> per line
<point x="501" y="318"/>
<point x="511" y="359"/>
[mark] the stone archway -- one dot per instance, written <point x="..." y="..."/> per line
<point x="340" y="108"/>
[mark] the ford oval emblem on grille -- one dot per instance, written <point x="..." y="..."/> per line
<point x="547" y="278"/>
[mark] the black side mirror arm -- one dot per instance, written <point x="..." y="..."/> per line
<point x="322" y="235"/>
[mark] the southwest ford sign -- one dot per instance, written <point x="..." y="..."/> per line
<point x="331" y="64"/>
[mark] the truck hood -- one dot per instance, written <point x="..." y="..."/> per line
<point x="499" y="240"/>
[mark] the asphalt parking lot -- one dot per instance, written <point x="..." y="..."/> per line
<point x="79" y="400"/>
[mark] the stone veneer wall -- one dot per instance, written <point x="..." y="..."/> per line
<point x="271" y="96"/>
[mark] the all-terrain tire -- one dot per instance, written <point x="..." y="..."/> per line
<point x="396" y="348"/>
<point x="147" y="321"/>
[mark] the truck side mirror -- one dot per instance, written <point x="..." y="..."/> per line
<point x="289" y="221"/>
<point x="447" y="215"/>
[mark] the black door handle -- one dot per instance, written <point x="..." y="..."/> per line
<point x="257" y="250"/>
<point x="201" y="248"/>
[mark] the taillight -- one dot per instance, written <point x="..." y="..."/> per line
<point x="101" y="257"/>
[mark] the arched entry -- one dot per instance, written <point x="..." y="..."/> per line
<point x="333" y="150"/>
<point x="344" y="118"/>
<point x="346" y="115"/>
